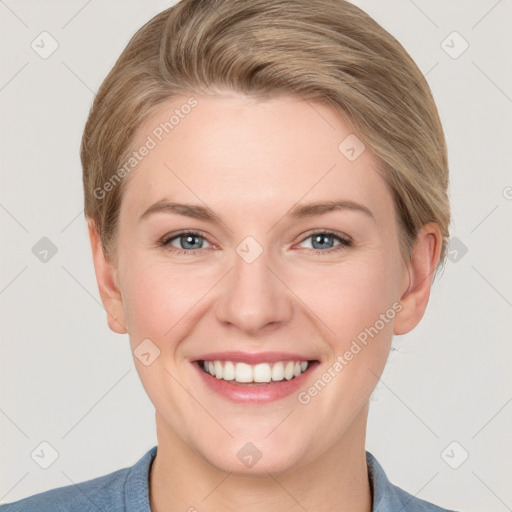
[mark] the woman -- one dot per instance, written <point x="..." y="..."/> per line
<point x="266" y="194"/>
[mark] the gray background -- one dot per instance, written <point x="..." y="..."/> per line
<point x="68" y="381"/>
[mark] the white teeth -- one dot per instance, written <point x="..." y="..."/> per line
<point x="218" y="369"/>
<point x="229" y="371"/>
<point x="262" y="372"/>
<point x="288" y="370"/>
<point x="243" y="372"/>
<point x="278" y="371"/>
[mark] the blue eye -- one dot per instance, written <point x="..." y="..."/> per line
<point x="188" y="242"/>
<point x="324" y="241"/>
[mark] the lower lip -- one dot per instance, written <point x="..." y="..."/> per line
<point x="257" y="392"/>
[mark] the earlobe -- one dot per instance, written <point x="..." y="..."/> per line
<point x="421" y="267"/>
<point x="107" y="282"/>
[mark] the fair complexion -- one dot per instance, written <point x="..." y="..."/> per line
<point x="251" y="163"/>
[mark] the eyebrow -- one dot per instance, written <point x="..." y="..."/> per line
<point x="297" y="212"/>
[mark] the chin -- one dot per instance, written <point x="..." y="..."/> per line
<point x="256" y="459"/>
<point x="259" y="468"/>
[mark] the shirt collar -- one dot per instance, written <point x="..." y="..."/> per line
<point x="136" y="487"/>
<point x="384" y="493"/>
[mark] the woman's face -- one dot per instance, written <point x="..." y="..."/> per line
<point x="264" y="278"/>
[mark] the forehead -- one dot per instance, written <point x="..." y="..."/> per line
<point x="234" y="150"/>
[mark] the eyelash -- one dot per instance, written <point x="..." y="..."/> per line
<point x="344" y="242"/>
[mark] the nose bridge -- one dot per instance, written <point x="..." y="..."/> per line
<point x="252" y="296"/>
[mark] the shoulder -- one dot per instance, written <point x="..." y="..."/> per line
<point x="388" y="497"/>
<point x="102" y="493"/>
<point x="109" y="492"/>
<point x="410" y="503"/>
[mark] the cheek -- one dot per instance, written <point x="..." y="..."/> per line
<point x="357" y="305"/>
<point x="351" y="297"/>
<point x="158" y="296"/>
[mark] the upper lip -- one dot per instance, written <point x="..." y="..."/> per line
<point x="252" y="358"/>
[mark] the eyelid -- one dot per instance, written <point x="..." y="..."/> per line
<point x="345" y="242"/>
<point x="331" y="232"/>
<point x="169" y="236"/>
<point x="164" y="241"/>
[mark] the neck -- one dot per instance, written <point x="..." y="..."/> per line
<point x="182" y="480"/>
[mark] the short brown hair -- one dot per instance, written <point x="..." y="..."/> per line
<point x="328" y="51"/>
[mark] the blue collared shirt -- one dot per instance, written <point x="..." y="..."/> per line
<point x="126" y="490"/>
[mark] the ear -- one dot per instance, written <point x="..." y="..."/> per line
<point x="425" y="256"/>
<point x="106" y="276"/>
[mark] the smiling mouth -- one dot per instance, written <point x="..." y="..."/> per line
<point x="238" y="373"/>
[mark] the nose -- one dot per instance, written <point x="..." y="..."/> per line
<point x="253" y="297"/>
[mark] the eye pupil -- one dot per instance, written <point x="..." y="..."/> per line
<point x="189" y="240"/>
<point x="320" y="238"/>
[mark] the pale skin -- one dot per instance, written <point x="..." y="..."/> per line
<point x="251" y="162"/>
